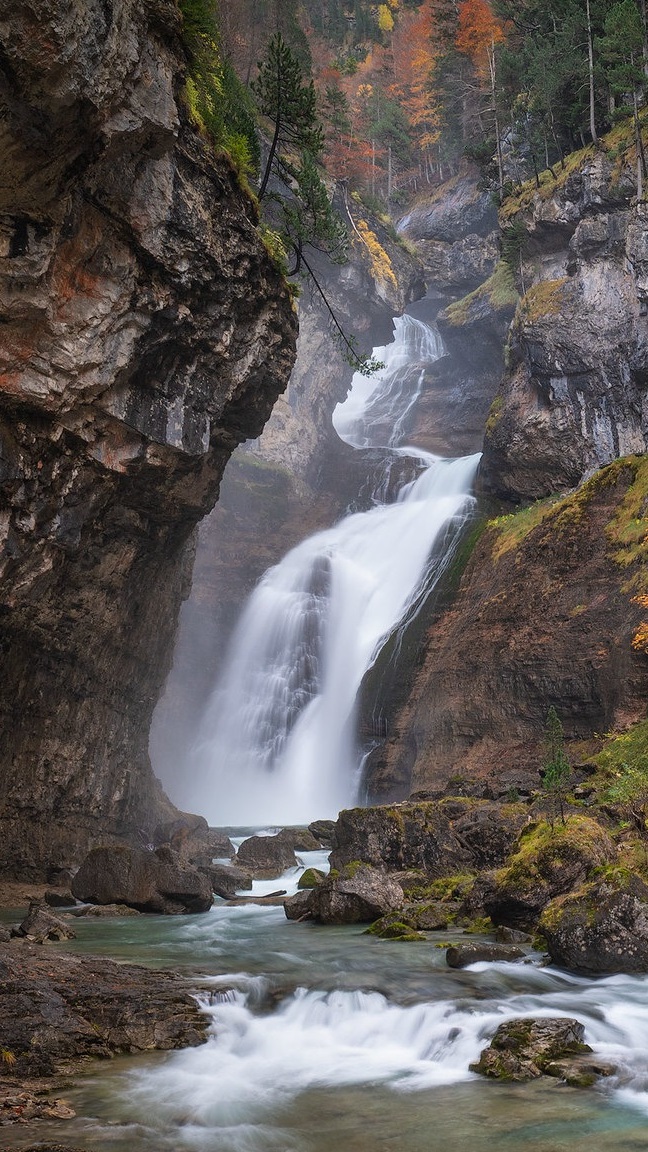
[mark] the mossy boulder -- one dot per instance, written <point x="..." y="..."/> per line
<point x="548" y="863"/>
<point x="311" y="878"/>
<point x="390" y="927"/>
<point x="526" y="1049"/>
<point x="359" y="894"/>
<point x="601" y="928"/>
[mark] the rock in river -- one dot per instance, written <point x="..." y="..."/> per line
<point x="358" y="895"/>
<point x="525" y="1049"/>
<point x="266" y="856"/>
<point x="149" y="881"/>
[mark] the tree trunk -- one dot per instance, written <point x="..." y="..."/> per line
<point x="590" y="57"/>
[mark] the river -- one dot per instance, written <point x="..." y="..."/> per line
<point x="325" y="1039"/>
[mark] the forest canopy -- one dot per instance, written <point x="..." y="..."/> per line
<point x="407" y="89"/>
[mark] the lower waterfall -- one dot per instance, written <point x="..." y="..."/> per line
<point x="277" y="743"/>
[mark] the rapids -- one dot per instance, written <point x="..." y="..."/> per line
<point x="326" y="1038"/>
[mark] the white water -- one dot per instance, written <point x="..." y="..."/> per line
<point x="268" y="1070"/>
<point x="277" y="742"/>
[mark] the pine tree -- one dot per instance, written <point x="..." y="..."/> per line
<point x="556" y="769"/>
<point x="622" y="48"/>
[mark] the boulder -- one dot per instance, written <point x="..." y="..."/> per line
<point x="149" y="881"/>
<point x="358" y="895"/>
<point x="601" y="928"/>
<point x="192" y="837"/>
<point x="299" y="906"/>
<point x="300" y="839"/>
<point x="547" y="864"/>
<point x="59" y="899"/>
<point x="394" y="926"/>
<point x="322" y="830"/>
<point x="226" y="879"/>
<point x="437" y="837"/>
<point x="525" y="1049"/>
<point x="266" y="856"/>
<point x="461" y="955"/>
<point x="311" y="878"/>
<point x="40" y="925"/>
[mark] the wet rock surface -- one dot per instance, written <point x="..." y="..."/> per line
<point x="148" y="881"/>
<point x="526" y="1049"/>
<point x="58" y="1010"/>
<point x="461" y="955"/>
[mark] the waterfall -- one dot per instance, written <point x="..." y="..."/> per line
<point x="277" y="741"/>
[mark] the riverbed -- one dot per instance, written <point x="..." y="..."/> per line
<point x="326" y="1038"/>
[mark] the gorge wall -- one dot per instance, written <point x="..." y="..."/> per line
<point x="552" y="605"/>
<point x="145" y="333"/>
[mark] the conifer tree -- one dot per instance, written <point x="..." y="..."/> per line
<point x="556" y="768"/>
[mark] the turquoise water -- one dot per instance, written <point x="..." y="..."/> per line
<point x="326" y="1039"/>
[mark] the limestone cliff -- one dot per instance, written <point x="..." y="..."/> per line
<point x="145" y="332"/>
<point x="552" y="602"/>
<point x="575" y="396"/>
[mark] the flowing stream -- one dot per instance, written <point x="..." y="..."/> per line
<point x="278" y="740"/>
<point x="324" y="1039"/>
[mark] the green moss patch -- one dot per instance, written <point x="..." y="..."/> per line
<point x="499" y="291"/>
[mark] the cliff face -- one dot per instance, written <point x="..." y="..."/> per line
<point x="551" y="604"/>
<point x="576" y="394"/>
<point x="546" y="614"/>
<point x="145" y="333"/>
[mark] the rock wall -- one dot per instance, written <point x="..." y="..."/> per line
<point x="576" y="393"/>
<point x="145" y="333"/>
<point x="550" y="604"/>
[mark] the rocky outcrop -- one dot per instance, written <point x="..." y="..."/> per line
<point x="357" y="895"/>
<point x="547" y="613"/>
<point x="148" y="881"/>
<point x="575" y="395"/>
<point x="603" y="927"/>
<point x="55" y="1016"/>
<point x="439" y="837"/>
<point x="145" y="334"/>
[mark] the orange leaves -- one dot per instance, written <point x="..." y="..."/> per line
<point x="640" y="638"/>
<point x="478" y="32"/>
